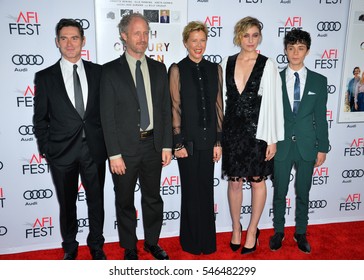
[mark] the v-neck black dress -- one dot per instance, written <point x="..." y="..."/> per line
<point x="243" y="155"/>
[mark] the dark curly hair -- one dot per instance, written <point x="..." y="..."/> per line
<point x="296" y="36"/>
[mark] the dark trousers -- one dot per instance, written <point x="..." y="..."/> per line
<point x="65" y="179"/>
<point x="147" y="165"/>
<point x="282" y="173"/>
<point x="197" y="230"/>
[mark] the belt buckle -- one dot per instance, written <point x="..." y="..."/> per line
<point x="293" y="138"/>
<point x="145" y="134"/>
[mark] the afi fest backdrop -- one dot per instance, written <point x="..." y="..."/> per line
<point x="28" y="204"/>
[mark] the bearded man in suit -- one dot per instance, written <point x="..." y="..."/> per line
<point x="136" y="119"/>
<point x="67" y="126"/>
<point x="306" y="137"/>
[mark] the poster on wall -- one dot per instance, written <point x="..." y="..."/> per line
<point x="351" y="107"/>
<point x="166" y="20"/>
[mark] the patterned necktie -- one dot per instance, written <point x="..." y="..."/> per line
<point x="78" y="92"/>
<point x="144" y="114"/>
<point x="296" y="96"/>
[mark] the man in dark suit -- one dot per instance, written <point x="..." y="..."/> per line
<point x="164" y="17"/>
<point x="136" y="119"/>
<point x="306" y="137"/>
<point x="71" y="139"/>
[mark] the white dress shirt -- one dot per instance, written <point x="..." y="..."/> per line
<point x="67" y="73"/>
<point x="291" y="78"/>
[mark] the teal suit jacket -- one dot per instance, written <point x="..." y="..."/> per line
<point x="310" y="124"/>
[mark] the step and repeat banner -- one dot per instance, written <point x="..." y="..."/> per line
<point x="28" y="204"/>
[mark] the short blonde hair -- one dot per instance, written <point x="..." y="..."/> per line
<point x="243" y="25"/>
<point x="193" y="26"/>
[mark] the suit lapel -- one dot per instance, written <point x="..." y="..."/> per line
<point x="125" y="72"/>
<point x="60" y="87"/>
<point x="153" y="78"/>
<point x="308" y="86"/>
<point x="286" y="103"/>
<point x="90" y="97"/>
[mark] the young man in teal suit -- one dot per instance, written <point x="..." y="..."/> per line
<point x="306" y="137"/>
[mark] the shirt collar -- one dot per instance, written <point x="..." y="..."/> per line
<point x="302" y="72"/>
<point x="132" y="60"/>
<point x="69" y="65"/>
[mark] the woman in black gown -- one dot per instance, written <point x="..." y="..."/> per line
<point x="197" y="114"/>
<point x="253" y="123"/>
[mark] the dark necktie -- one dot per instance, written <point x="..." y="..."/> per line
<point x="296" y="95"/>
<point x="144" y="114"/>
<point x="78" y="92"/>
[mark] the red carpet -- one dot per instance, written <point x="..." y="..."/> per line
<point x="339" y="241"/>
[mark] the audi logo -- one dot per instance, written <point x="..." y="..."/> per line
<point x="282" y="59"/>
<point x="37" y="194"/>
<point x="27" y="59"/>
<point x="213" y="57"/>
<point x="329" y="26"/>
<point x="171" y="215"/>
<point x="216" y="182"/>
<point x="1" y="165"/>
<point x="331" y="89"/>
<point x="314" y="204"/>
<point x="84" y="23"/>
<point x="3" y="230"/>
<point x="246" y="209"/>
<point x="26" y="130"/>
<point x="82" y="223"/>
<point x="353" y="173"/>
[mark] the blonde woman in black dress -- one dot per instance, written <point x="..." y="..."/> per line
<point x="253" y="124"/>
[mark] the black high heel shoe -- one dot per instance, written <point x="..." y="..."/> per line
<point x="233" y="246"/>
<point x="251" y="250"/>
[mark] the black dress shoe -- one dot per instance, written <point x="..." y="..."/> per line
<point x="275" y="241"/>
<point x="157" y="252"/>
<point x="246" y="250"/>
<point x="98" y="254"/>
<point x="130" y="254"/>
<point x="234" y="246"/>
<point x="70" y="256"/>
<point x="302" y="242"/>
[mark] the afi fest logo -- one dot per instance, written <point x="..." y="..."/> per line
<point x="356" y="148"/>
<point x="27" y="23"/>
<point x="85" y="54"/>
<point x="137" y="219"/>
<point x="27" y="98"/>
<point x="328" y="59"/>
<point x="37" y="165"/>
<point x="170" y="185"/>
<point x="2" y="198"/>
<point x="214" y="26"/>
<point x="329" y="118"/>
<point x="81" y="194"/>
<point x="329" y="2"/>
<point x="320" y="176"/>
<point x="290" y="23"/>
<point x="352" y="203"/>
<point x="216" y="209"/>
<point x="42" y="227"/>
<point x="288" y="208"/>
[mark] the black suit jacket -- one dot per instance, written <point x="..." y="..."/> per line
<point x="120" y="113"/>
<point x="58" y="127"/>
